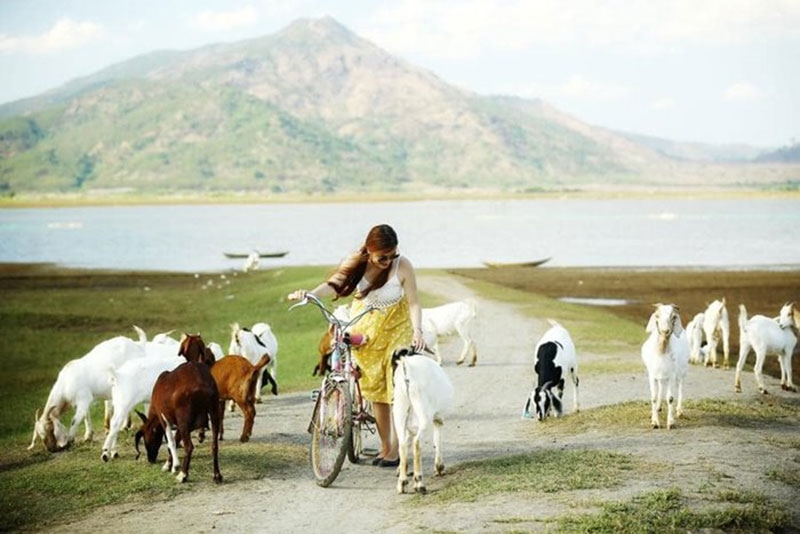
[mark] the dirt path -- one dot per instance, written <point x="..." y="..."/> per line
<point x="486" y="422"/>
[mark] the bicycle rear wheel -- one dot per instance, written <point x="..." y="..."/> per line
<point x="364" y="440"/>
<point x="331" y="431"/>
<point x="356" y="444"/>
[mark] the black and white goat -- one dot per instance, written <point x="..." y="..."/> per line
<point x="423" y="394"/>
<point x="555" y="359"/>
<point x="766" y="336"/>
<point x="666" y="355"/>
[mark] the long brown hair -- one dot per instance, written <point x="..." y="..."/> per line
<point x="345" y="280"/>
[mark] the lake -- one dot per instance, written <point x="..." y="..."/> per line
<point x="717" y="233"/>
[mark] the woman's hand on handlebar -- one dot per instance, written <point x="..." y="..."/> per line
<point x="299" y="294"/>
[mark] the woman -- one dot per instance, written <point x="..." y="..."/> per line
<point x="377" y="275"/>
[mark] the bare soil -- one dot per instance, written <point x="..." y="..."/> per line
<point x="486" y="422"/>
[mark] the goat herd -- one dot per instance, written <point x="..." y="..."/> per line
<point x="186" y="383"/>
<point x="667" y="352"/>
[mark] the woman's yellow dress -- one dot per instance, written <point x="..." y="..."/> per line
<point x="386" y="330"/>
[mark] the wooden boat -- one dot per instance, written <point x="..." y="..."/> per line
<point x="239" y="255"/>
<point x="495" y="265"/>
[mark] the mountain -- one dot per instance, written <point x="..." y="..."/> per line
<point x="313" y="108"/>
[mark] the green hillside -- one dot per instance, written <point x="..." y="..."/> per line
<point x="311" y="109"/>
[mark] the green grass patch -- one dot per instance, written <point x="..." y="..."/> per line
<point x="40" y="488"/>
<point x="592" y="329"/>
<point x="549" y="471"/>
<point x="697" y="414"/>
<point x="666" y="511"/>
<point x="789" y="476"/>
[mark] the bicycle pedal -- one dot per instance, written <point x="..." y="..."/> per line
<point x="314" y="394"/>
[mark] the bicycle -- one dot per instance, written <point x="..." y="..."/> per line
<point x="341" y="417"/>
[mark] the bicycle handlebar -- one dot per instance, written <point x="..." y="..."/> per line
<point x="329" y="316"/>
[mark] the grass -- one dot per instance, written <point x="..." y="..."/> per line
<point x="666" y="511"/>
<point x="50" y="315"/>
<point x="763" y="292"/>
<point x="544" y="471"/>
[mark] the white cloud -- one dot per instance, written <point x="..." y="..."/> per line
<point x="664" y="103"/>
<point x="64" y="34"/>
<point x="579" y="87"/>
<point x="741" y="91"/>
<point x="463" y="28"/>
<point x="225" y="20"/>
<point x="575" y="88"/>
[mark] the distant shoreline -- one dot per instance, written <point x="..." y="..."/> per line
<point x="599" y="193"/>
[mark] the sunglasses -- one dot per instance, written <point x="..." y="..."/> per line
<point x="385" y="258"/>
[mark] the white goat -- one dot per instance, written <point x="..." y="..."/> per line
<point x="252" y="262"/>
<point x="132" y="383"/>
<point x="716" y="326"/>
<point x="455" y="317"/>
<point x="694" y="333"/>
<point x="79" y="383"/>
<point x="423" y="393"/>
<point x="555" y="359"/>
<point x="252" y="343"/>
<point x="767" y="336"/>
<point x="666" y="355"/>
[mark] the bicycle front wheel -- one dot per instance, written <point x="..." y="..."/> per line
<point x="331" y="432"/>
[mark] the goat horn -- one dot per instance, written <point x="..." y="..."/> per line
<point x="36" y="417"/>
<point x="141" y="416"/>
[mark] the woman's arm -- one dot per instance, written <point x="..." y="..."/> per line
<point x="408" y="278"/>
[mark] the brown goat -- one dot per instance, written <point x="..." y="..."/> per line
<point x="325" y="349"/>
<point x="184" y="398"/>
<point x="236" y="380"/>
<point x="194" y="350"/>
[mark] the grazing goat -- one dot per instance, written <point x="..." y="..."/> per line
<point x="252" y="343"/>
<point x="423" y="393"/>
<point x="694" y="333"/>
<point x="183" y="399"/>
<point x="132" y="383"/>
<point x="555" y="359"/>
<point x="716" y="326"/>
<point x="236" y="381"/>
<point x="767" y="336"/>
<point x="455" y="317"/>
<point x="666" y="355"/>
<point x="79" y="383"/>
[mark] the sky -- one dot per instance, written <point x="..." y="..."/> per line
<point x="710" y="71"/>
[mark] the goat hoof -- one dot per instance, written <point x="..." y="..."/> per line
<point x="763" y="391"/>
<point x="244" y="439"/>
<point x="104" y="456"/>
<point x="439" y="469"/>
<point x="182" y="477"/>
<point x="655" y="426"/>
<point x="218" y="478"/>
<point x="401" y="486"/>
<point x="421" y="490"/>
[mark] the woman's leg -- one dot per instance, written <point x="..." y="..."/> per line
<point x="383" y="419"/>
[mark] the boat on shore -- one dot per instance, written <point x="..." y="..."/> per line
<point x="535" y="263"/>
<point x="243" y="255"/>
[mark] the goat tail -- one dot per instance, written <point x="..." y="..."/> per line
<point x="742" y="319"/>
<point x="265" y="359"/>
<point x="142" y="335"/>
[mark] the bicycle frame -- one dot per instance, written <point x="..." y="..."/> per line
<point x="326" y="429"/>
